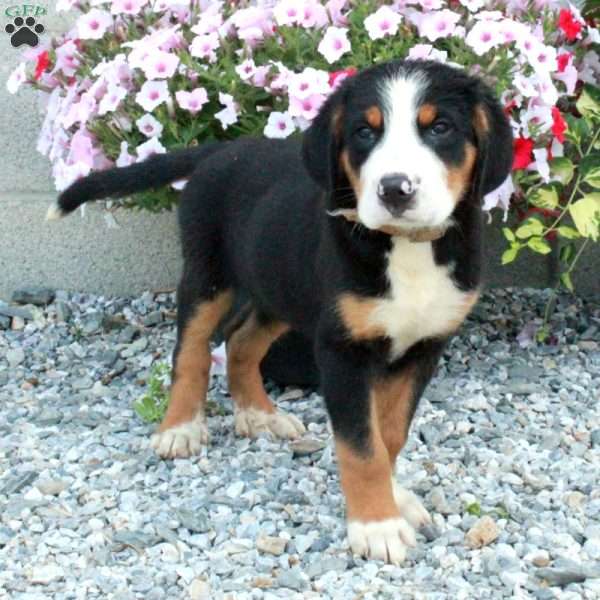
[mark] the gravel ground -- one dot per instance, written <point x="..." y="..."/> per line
<point x="507" y="433"/>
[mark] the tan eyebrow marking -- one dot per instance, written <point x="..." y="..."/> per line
<point x="374" y="117"/>
<point x="426" y="114"/>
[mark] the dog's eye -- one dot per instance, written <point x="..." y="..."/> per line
<point x="440" y="127"/>
<point x="365" y="134"/>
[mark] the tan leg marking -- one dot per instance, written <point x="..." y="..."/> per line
<point x="183" y="428"/>
<point x="459" y="177"/>
<point x="376" y="527"/>
<point x="254" y="411"/>
<point x="393" y="401"/>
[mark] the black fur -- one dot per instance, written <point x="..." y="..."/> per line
<point x="252" y="219"/>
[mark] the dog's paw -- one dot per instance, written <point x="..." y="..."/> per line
<point x="385" y="540"/>
<point x="410" y="507"/>
<point x="182" y="440"/>
<point x="250" y="422"/>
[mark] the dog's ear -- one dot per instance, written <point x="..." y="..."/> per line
<point x="494" y="143"/>
<point x="322" y="142"/>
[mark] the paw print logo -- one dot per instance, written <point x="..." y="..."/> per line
<point x="24" y="32"/>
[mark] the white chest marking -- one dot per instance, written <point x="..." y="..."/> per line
<point x="423" y="300"/>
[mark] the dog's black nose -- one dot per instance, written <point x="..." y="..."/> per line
<point x="396" y="191"/>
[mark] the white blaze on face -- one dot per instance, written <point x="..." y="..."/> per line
<point x="401" y="150"/>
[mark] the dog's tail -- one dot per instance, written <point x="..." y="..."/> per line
<point x="154" y="172"/>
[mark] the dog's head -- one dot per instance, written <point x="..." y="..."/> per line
<point x="405" y="142"/>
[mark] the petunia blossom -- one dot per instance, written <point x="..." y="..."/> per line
<point x="334" y="44"/>
<point x="115" y="94"/>
<point x="310" y="81"/>
<point x="152" y="94"/>
<point x="382" y="22"/>
<point x="149" y="126"/>
<point x="125" y="159"/>
<point x="229" y="115"/>
<point x="94" y="24"/>
<point x="16" y="79"/>
<point x="128" y="7"/>
<point x="160" y="65"/>
<point x="279" y="125"/>
<point x="484" y="36"/>
<point x="438" y="24"/>
<point x="192" y="101"/>
<point x="149" y="148"/>
<point x="204" y="46"/>
<point x="307" y="108"/>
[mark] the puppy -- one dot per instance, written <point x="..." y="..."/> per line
<point x="366" y="238"/>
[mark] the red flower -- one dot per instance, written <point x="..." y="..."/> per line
<point x="563" y="61"/>
<point x="341" y="75"/>
<point x="43" y="62"/>
<point x="559" y="125"/>
<point x="570" y="27"/>
<point x="523" y="153"/>
<point x="508" y="108"/>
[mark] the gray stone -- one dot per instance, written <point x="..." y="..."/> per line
<point x="138" y="540"/>
<point x="4" y="322"/>
<point x="292" y="579"/>
<point x="306" y="447"/>
<point x="561" y="577"/>
<point x="15" y="356"/>
<point x="32" y="295"/>
<point x="318" y="568"/>
<point x="15" y="311"/>
<point x="17" y="482"/>
<point x="128" y="334"/>
<point x="51" y="487"/>
<point x="522" y="388"/>
<point x="595" y="438"/>
<point x="153" y="319"/>
<point x="194" y="521"/>
<point x="63" y="312"/>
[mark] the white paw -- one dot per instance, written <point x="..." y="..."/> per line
<point x="250" y="422"/>
<point x="381" y="540"/>
<point x="410" y="506"/>
<point x="181" y="441"/>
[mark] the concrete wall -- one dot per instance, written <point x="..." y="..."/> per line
<point x="88" y="254"/>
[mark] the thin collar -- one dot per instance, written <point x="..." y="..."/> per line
<point x="416" y="235"/>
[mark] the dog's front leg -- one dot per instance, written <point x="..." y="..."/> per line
<point x="376" y="526"/>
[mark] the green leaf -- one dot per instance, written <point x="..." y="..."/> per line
<point x="474" y="509"/>
<point x="565" y="279"/>
<point x="562" y="168"/>
<point x="578" y="129"/>
<point x="544" y="197"/>
<point x="590" y="170"/>
<point x="568" y="232"/>
<point x="585" y="214"/>
<point x="509" y="255"/>
<point x="539" y="245"/>
<point x="567" y="252"/>
<point x="589" y="102"/>
<point x="531" y="227"/>
<point x="508" y="234"/>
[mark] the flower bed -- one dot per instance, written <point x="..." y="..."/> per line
<point x="138" y="77"/>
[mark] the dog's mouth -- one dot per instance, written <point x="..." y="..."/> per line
<point x="412" y="233"/>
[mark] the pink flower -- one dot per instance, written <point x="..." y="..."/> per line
<point x="438" y="24"/>
<point x="65" y="175"/>
<point x="149" y="126"/>
<point x="569" y="77"/>
<point x="500" y="197"/>
<point x="382" y="22"/>
<point x="82" y="148"/>
<point x="229" y="115"/>
<point x="128" y="7"/>
<point x="288" y="12"/>
<point x="337" y="77"/>
<point x="209" y="21"/>
<point x="246" y="69"/>
<point x="67" y="58"/>
<point x="334" y="8"/>
<point x="80" y="112"/>
<point x="149" y="148"/>
<point x="93" y="24"/>
<point x="152" y="94"/>
<point x="314" y="14"/>
<point x="280" y="125"/>
<point x="160" y="65"/>
<point x="16" y="79"/>
<point x="259" y="78"/>
<point x="204" y="46"/>
<point x="427" y="51"/>
<point x="192" y="101"/>
<point x="252" y="24"/>
<point x="125" y="159"/>
<point x="542" y="58"/>
<point x="334" y="44"/>
<point x="115" y="94"/>
<point x="309" y="82"/>
<point x="307" y="108"/>
<point x="473" y="5"/>
<point x="483" y="37"/>
<point x="428" y="5"/>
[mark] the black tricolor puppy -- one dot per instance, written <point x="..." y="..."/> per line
<point x="366" y="238"/>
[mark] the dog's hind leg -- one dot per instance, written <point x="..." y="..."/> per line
<point x="254" y="411"/>
<point x="200" y="310"/>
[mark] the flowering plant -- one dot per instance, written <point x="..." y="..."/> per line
<point x="138" y="77"/>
